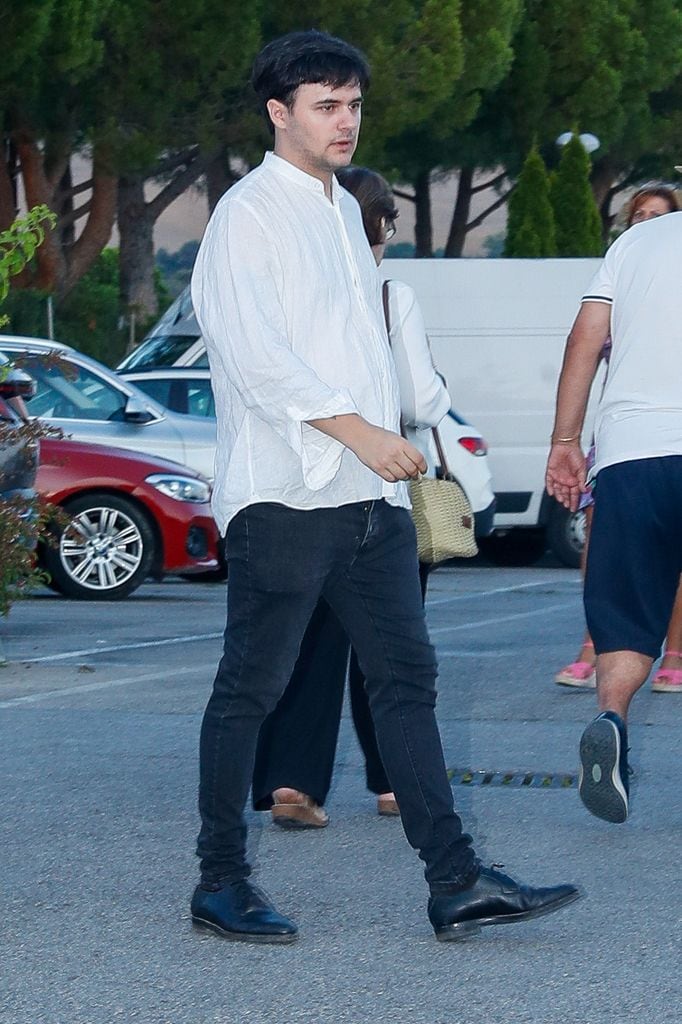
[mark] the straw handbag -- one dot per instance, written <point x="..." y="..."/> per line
<point x="442" y="515"/>
<point x="441" y="511"/>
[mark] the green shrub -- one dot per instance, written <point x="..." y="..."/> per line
<point x="530" y="225"/>
<point x="578" y="224"/>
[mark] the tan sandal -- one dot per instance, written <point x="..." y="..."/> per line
<point x="387" y="806"/>
<point x="294" y="810"/>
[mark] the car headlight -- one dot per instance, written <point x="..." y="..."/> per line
<point x="182" y="488"/>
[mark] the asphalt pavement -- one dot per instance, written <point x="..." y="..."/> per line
<point x="100" y="707"/>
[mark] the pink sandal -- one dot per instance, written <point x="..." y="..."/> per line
<point x="668" y="680"/>
<point x="578" y="673"/>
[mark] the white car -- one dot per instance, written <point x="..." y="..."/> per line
<point x="92" y="403"/>
<point x="187" y="389"/>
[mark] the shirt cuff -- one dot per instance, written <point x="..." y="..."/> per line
<point x="320" y="454"/>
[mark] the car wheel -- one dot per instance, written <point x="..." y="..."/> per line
<point x="515" y="548"/>
<point x="566" y="535"/>
<point x="104" y="553"/>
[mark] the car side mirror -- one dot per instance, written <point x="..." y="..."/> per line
<point x="17" y="384"/>
<point x="136" y="412"/>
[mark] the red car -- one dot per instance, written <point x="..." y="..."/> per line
<point x="131" y="516"/>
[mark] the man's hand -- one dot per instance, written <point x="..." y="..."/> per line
<point x="387" y="454"/>
<point x="565" y="477"/>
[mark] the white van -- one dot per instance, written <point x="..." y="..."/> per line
<point x="497" y="329"/>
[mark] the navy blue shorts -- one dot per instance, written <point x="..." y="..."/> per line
<point x="635" y="555"/>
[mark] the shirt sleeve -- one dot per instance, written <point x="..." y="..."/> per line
<point x="601" y="285"/>
<point x="424" y="399"/>
<point x="237" y="298"/>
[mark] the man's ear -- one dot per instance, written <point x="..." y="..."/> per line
<point x="278" y="112"/>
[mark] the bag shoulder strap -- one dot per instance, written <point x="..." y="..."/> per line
<point x="443" y="462"/>
<point x="387" y="318"/>
<point x="387" y="314"/>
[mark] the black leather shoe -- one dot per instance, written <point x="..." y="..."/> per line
<point x="494" y="898"/>
<point x="242" y="911"/>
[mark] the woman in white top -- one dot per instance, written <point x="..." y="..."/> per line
<point x="297" y="743"/>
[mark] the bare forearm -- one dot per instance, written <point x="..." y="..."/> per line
<point x="349" y="429"/>
<point x="386" y="453"/>
<point x="581" y="358"/>
<point x="577" y="374"/>
<point x="565" y="479"/>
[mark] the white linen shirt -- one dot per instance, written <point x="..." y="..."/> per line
<point x="287" y="296"/>
<point x="640" y="413"/>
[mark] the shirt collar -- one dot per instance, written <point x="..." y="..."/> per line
<point x="288" y="170"/>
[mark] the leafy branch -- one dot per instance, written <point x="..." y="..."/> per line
<point x="23" y="521"/>
<point x="18" y="245"/>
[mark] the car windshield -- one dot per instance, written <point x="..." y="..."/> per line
<point x="160" y="350"/>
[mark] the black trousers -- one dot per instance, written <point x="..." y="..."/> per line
<point x="362" y="558"/>
<point x="297" y="741"/>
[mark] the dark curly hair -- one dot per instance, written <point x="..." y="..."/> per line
<point x="302" y="58"/>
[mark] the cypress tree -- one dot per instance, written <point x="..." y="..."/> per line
<point x="577" y="219"/>
<point x="530" y="226"/>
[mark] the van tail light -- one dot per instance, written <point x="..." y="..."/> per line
<point x="474" y="445"/>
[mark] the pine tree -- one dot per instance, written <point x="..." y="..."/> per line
<point x="577" y="219"/>
<point x="530" y="227"/>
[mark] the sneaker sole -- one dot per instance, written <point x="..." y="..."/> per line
<point x="207" y="926"/>
<point x="465" y="929"/>
<point x="600" y="786"/>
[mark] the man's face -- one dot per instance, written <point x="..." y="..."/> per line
<point x="320" y="131"/>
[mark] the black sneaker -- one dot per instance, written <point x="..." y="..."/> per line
<point x="603" y="784"/>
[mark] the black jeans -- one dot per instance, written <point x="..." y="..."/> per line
<point x="297" y="741"/>
<point x="362" y="559"/>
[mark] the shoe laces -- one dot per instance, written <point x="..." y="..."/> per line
<point x="247" y="890"/>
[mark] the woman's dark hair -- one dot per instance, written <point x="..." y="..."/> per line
<point x="375" y="197"/>
<point x="303" y="58"/>
<point x="653" y="188"/>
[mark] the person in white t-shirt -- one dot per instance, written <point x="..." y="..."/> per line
<point x="651" y="200"/>
<point x="635" y="557"/>
<point x="310" y="491"/>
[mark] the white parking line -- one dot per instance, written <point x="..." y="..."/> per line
<point x="197" y="637"/>
<point x="191" y="638"/>
<point x="498" y="590"/>
<point x="34" y="698"/>
<point x="496" y="620"/>
<point x="107" y="684"/>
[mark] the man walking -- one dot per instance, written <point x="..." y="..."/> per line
<point x="310" y="489"/>
<point x="635" y="554"/>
